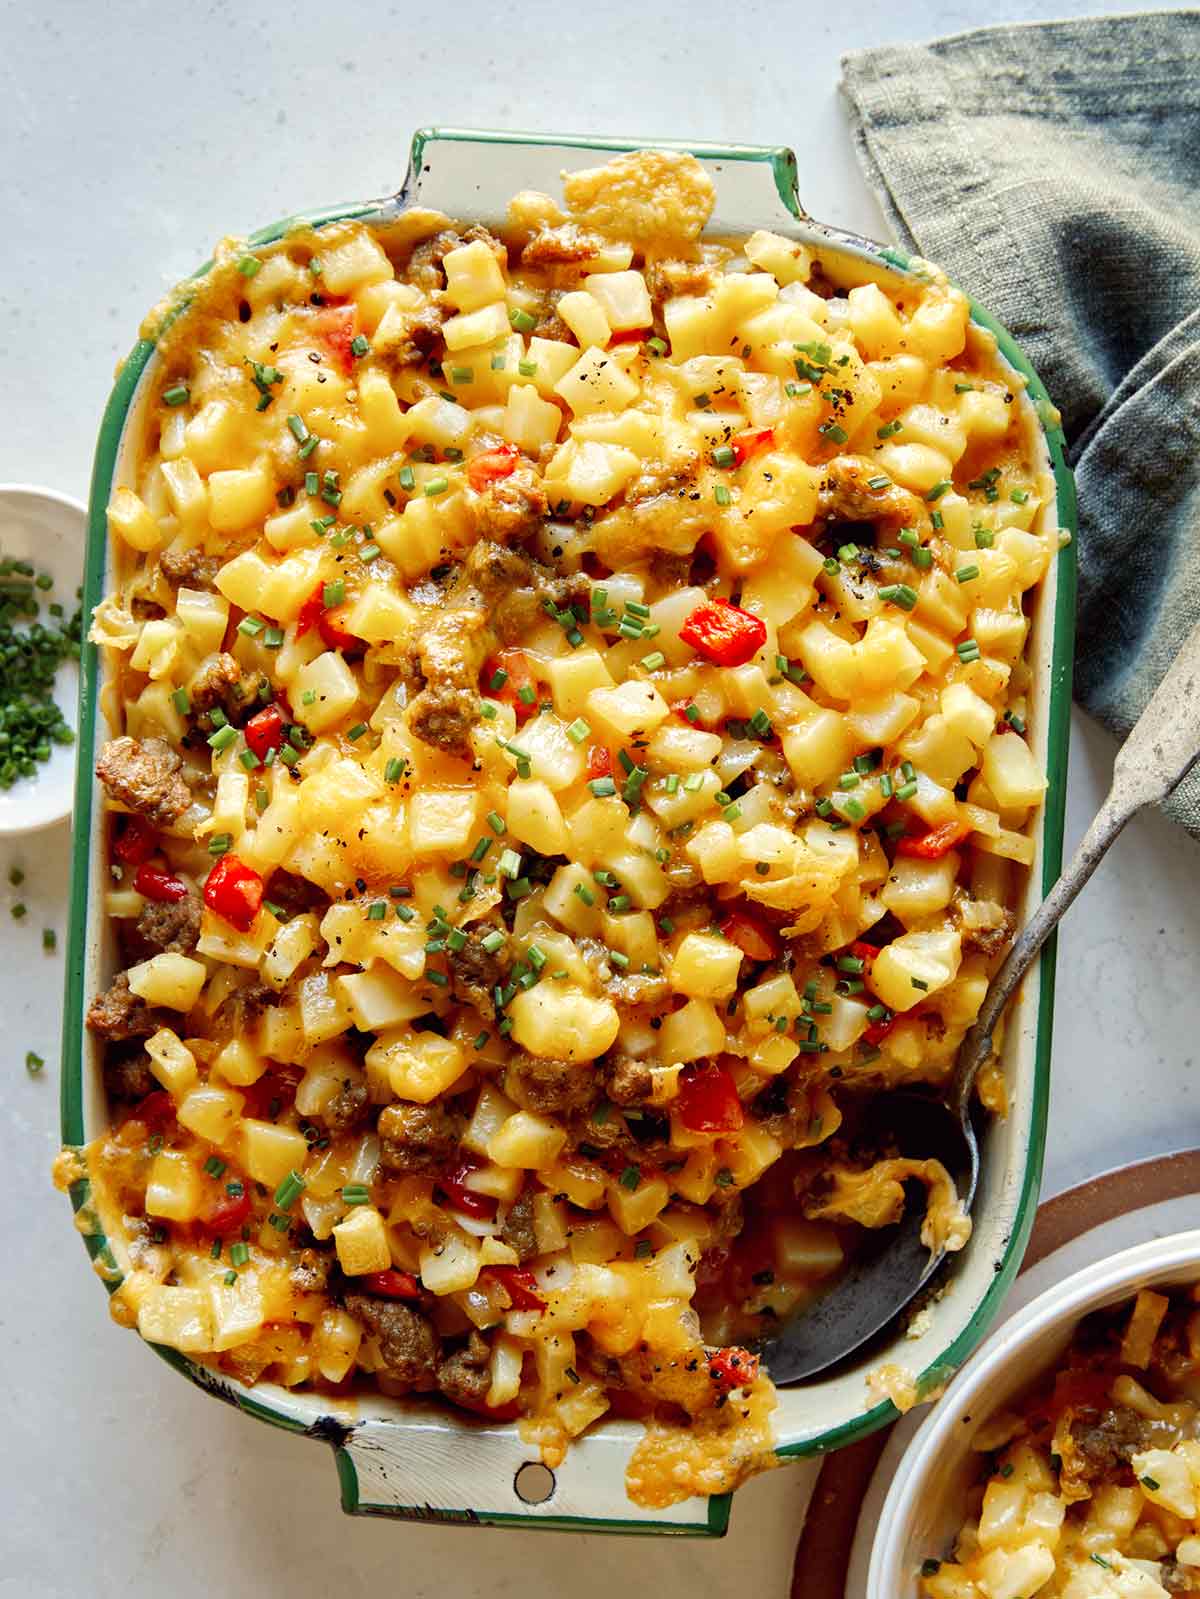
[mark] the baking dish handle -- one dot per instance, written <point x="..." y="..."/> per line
<point x="469" y="173"/>
<point x="430" y="1468"/>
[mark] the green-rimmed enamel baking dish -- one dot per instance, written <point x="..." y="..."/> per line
<point x="418" y="1461"/>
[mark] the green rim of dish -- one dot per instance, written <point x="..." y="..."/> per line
<point x="783" y="166"/>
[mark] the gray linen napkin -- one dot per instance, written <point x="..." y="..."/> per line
<point x="1054" y="170"/>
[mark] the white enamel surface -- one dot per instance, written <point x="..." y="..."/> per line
<point x="46" y="528"/>
<point x="154" y="132"/>
<point x="924" y="1507"/>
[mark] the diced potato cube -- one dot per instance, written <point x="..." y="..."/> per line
<point x="631" y="710"/>
<point x="968" y="713"/>
<point x="204" y="616"/>
<point x="130" y="520"/>
<point x="379" y="998"/>
<point x="361" y="1242"/>
<point x="473" y="276"/>
<point x="335" y="1343"/>
<point x="917" y="888"/>
<point x="295" y="941"/>
<point x="831" y="661"/>
<point x="441" y="821"/>
<point x="334" y="690"/>
<point x="596" y="382"/>
<point x="529" y="422"/>
<point x="785" y="259"/>
<point x="691" y="1033"/>
<point x="590" y="473"/>
<point x="559" y="1021"/>
<point x="173" y="1190"/>
<point x="240" y="1063"/>
<point x="171" y="1062"/>
<point x="714" y="849"/>
<point x="635" y="1208"/>
<point x="240" y="498"/>
<point x="623" y="297"/>
<point x="353" y="264"/>
<point x="534" y="818"/>
<point x="705" y="966"/>
<point x="573" y="677"/>
<point x="168" y="979"/>
<point x="379" y="408"/>
<point x="238" y="1312"/>
<point x="476" y="327"/>
<point x="186" y="492"/>
<point x="180" y="1318"/>
<point x="450" y="1266"/>
<point x="1011" y="772"/>
<point x="584" y="315"/>
<point x="270" y="1151"/>
<point x="211" y="1112"/>
<point x="420" y="1066"/>
<point x="574" y="899"/>
<point x="915" y="965"/>
<point x="527" y="1141"/>
<point x="818" y="748"/>
<point x="323" y="1011"/>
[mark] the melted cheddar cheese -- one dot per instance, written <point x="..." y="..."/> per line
<point x="569" y="696"/>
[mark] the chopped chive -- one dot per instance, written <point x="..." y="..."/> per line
<point x="658" y="346"/>
<point x="407" y="477"/>
<point x="967" y="650"/>
<point x="967" y="574"/>
<point x="359" y="344"/>
<point x="251" y="626"/>
<point x="496" y="822"/>
<point x="33" y="1062"/>
<point x="899" y="594"/>
<point x="1019" y="496"/>
<point x="177" y="394"/>
<point x="923" y="559"/>
<point x="889" y="430"/>
<point x="509" y="864"/>
<point x="356" y="1194"/>
<point x="672" y="784"/>
<point x="630" y="1178"/>
<point x="239" y="1253"/>
<point x="722" y="495"/>
<point x="984" y="538"/>
<point x="907" y="791"/>
<point x="654" y="660"/>
<point x="578" y="730"/>
<point x="181" y="701"/>
<point x="249" y="760"/>
<point x="298" y="427"/>
<point x="334" y="593"/>
<point x="834" y="432"/>
<point x="938" y="489"/>
<point x="585" y="894"/>
<point x="724" y="455"/>
<point x="436" y="485"/>
<point x="249" y="266"/>
<point x="222" y="738"/>
<point x="602" y="787"/>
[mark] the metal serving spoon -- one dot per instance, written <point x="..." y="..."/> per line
<point x="1159" y="752"/>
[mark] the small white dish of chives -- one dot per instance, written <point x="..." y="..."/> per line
<point x="42" y="541"/>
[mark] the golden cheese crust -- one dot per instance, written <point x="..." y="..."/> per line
<point x="570" y="716"/>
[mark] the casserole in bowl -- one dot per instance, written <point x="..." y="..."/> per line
<point x="1075" y="1425"/>
<point x="840" y="265"/>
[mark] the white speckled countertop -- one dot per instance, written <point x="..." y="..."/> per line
<point x="134" y="134"/>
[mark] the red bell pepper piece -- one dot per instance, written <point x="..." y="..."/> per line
<point x="708" y="1100"/>
<point x="311" y="611"/>
<point x="336" y="326"/>
<point x="264" y="731"/>
<point x="599" y="761"/>
<point x="732" y="1367"/>
<point x="724" y="633"/>
<point x="234" y="891"/>
<point x="159" y="886"/>
<point x="937" y="842"/>
<point x="491" y="466"/>
<point x="754" y="938"/>
<point x="876" y="1032"/>
<point x="336" y="636"/>
<point x="315" y="613"/>
<point x="391" y="1284"/>
<point x="229" y="1215"/>
<point x="136" y="841"/>
<point x="746" y="445"/>
<point x="519" y="676"/>
<point x="466" y="1199"/>
<point x="519" y="1284"/>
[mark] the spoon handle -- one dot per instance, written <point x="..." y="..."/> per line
<point x="1158" y="754"/>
